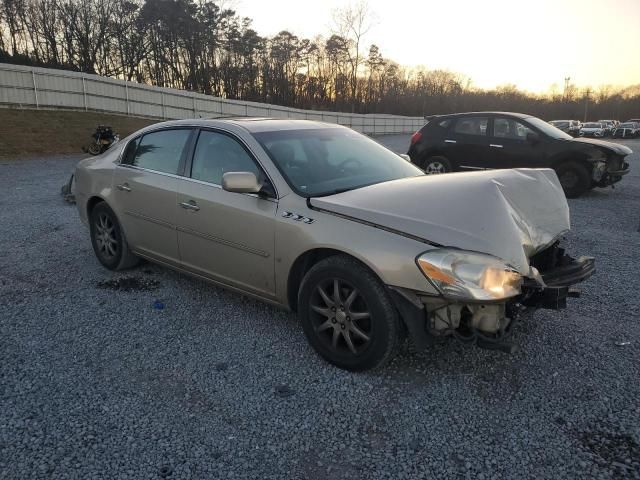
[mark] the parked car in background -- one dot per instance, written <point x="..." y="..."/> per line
<point x="609" y="126"/>
<point x="483" y="140"/>
<point x="592" y="129"/>
<point x="627" y="130"/>
<point x="561" y="125"/>
<point x="321" y="220"/>
<point x="572" y="127"/>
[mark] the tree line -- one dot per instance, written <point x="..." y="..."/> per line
<point x="201" y="46"/>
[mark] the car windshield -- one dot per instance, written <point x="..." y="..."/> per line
<point x="547" y="129"/>
<point x="559" y="123"/>
<point x="626" y="125"/>
<point x="591" y="125"/>
<point x="317" y="162"/>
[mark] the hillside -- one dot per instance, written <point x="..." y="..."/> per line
<point x="25" y="133"/>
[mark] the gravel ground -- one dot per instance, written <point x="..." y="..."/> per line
<point x="97" y="383"/>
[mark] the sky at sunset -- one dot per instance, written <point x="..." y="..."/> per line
<point x="532" y="44"/>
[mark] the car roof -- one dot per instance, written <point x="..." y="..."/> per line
<point x="475" y="114"/>
<point x="252" y="124"/>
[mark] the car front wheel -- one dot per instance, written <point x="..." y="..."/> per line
<point x="108" y="240"/>
<point x="346" y="314"/>
<point x="574" y="178"/>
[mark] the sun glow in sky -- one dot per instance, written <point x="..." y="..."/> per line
<point x="532" y="44"/>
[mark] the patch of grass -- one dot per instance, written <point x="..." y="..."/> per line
<point x="25" y="133"/>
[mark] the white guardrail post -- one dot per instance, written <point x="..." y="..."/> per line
<point x="84" y="93"/>
<point x="126" y="94"/>
<point x="35" y="87"/>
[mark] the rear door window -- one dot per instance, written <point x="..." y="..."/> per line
<point x="162" y="151"/>
<point x="471" y="126"/>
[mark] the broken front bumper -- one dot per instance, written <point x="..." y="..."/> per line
<point x="610" y="177"/>
<point x="559" y="273"/>
<point x="558" y="283"/>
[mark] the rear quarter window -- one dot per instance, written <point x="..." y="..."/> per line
<point x="439" y="125"/>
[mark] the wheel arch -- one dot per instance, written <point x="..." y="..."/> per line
<point x="303" y="263"/>
<point x="92" y="202"/>
<point x="581" y="158"/>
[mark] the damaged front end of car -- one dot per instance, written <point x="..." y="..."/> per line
<point x="491" y="255"/>
<point x="481" y="302"/>
<point x="607" y="159"/>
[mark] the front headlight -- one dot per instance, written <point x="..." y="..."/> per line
<point x="461" y="275"/>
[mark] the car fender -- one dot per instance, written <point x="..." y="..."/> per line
<point x="585" y="154"/>
<point x="390" y="256"/>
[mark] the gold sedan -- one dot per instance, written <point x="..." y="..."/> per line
<point x="321" y="220"/>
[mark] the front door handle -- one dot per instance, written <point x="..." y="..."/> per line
<point x="495" y="145"/>
<point x="124" y="187"/>
<point x="190" y="205"/>
<point x="450" y="141"/>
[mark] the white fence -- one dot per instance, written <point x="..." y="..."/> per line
<point x="32" y="87"/>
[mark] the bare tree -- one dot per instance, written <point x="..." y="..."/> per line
<point x="204" y="46"/>
<point x="352" y="23"/>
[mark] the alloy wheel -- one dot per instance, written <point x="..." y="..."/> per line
<point x="435" y="168"/>
<point x="105" y="235"/>
<point x="341" y="318"/>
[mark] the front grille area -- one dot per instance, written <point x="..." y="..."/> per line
<point x="548" y="258"/>
<point x="614" y="164"/>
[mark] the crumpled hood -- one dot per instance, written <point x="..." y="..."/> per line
<point x="615" y="147"/>
<point x="511" y="214"/>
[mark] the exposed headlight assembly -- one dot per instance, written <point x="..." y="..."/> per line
<point x="461" y="275"/>
<point x="599" y="170"/>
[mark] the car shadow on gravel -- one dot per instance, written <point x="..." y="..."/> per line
<point x="487" y="376"/>
<point x="129" y="284"/>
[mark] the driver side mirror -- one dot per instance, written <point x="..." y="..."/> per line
<point x="405" y="156"/>
<point x="247" y="182"/>
<point x="533" y="138"/>
<point x="241" y="182"/>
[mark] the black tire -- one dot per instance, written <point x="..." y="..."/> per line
<point x="382" y="326"/>
<point x="108" y="240"/>
<point x="574" y="178"/>
<point x="94" y="149"/>
<point x="436" y="164"/>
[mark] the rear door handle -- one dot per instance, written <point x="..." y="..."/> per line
<point x="494" y="145"/>
<point x="124" y="187"/>
<point x="450" y="141"/>
<point x="190" y="205"/>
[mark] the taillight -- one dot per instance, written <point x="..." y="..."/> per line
<point x="416" y="137"/>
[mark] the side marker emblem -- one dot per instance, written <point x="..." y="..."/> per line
<point x="297" y="218"/>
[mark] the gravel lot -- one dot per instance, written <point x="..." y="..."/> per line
<point x="97" y="383"/>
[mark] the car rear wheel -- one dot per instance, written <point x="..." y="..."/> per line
<point x="574" y="178"/>
<point x="436" y="165"/>
<point x="347" y="315"/>
<point x="108" y="240"/>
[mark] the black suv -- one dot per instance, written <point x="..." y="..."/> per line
<point x="483" y="140"/>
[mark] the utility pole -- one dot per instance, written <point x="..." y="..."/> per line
<point x="566" y="88"/>
<point x="587" y="93"/>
